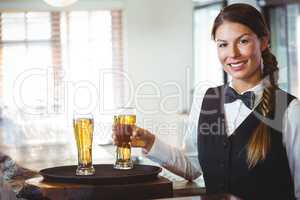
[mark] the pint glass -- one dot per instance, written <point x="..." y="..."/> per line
<point x="83" y="129"/>
<point x="126" y="118"/>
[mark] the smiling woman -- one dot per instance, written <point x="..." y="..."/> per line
<point x="244" y="133"/>
<point x="239" y="50"/>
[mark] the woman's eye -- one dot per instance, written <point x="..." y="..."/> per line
<point x="244" y="41"/>
<point x="222" y="45"/>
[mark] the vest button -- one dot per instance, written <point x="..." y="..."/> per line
<point x="222" y="164"/>
<point x="225" y="144"/>
<point x="222" y="187"/>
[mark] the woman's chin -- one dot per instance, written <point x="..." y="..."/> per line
<point x="244" y="77"/>
<point x="238" y="75"/>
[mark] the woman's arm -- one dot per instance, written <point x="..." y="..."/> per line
<point x="173" y="159"/>
<point x="182" y="161"/>
<point x="291" y="139"/>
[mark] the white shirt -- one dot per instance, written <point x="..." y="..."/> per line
<point x="184" y="162"/>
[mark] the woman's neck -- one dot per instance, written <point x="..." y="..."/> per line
<point x="241" y="85"/>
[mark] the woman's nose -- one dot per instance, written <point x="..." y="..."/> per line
<point x="233" y="51"/>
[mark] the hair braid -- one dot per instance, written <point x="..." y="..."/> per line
<point x="259" y="143"/>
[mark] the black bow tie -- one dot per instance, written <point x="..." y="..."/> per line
<point x="247" y="98"/>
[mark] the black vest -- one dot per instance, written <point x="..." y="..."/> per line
<point x="223" y="158"/>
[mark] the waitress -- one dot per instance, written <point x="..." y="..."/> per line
<point x="243" y="136"/>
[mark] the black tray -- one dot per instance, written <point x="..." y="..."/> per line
<point x="105" y="174"/>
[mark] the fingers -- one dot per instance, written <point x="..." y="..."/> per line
<point x="114" y="140"/>
<point x="138" y="132"/>
<point x="127" y="133"/>
<point x="138" y="142"/>
<point x="124" y="129"/>
<point x="114" y="135"/>
<point x="121" y="133"/>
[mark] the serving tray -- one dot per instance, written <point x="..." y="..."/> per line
<point x="105" y="174"/>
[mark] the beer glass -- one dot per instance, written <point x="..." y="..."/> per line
<point x="83" y="129"/>
<point x="126" y="117"/>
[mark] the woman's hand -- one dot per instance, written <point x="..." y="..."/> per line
<point x="139" y="137"/>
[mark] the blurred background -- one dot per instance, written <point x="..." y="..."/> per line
<point x="96" y="55"/>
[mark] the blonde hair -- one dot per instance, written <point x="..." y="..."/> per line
<point x="260" y="142"/>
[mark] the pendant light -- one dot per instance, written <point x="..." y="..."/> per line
<point x="60" y="3"/>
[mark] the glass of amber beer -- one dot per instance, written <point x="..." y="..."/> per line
<point x="83" y="125"/>
<point x="126" y="118"/>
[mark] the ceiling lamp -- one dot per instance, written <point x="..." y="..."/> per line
<point x="60" y="3"/>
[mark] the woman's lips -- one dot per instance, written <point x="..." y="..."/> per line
<point x="237" y="66"/>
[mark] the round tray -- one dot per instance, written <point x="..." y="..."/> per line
<point x="105" y="174"/>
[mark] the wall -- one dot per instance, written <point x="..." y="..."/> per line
<point x="158" y="59"/>
<point x="159" y="50"/>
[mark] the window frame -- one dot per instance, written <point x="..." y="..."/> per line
<point x="55" y="42"/>
<point x="266" y="8"/>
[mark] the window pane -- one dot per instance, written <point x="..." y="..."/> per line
<point x="87" y="48"/>
<point x="55" y="60"/>
<point x="39" y="55"/>
<point x="39" y="27"/>
<point x="207" y="66"/>
<point x="26" y="46"/>
<point x="90" y="39"/>
<point x="285" y="41"/>
<point x="279" y="44"/>
<point x="100" y="39"/>
<point x="293" y="13"/>
<point x="21" y="61"/>
<point x="13" y="26"/>
<point x="12" y="57"/>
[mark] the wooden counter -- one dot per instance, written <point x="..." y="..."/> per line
<point x="30" y="160"/>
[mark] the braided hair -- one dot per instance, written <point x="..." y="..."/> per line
<point x="259" y="143"/>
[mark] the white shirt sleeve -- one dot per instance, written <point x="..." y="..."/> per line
<point x="182" y="161"/>
<point x="173" y="159"/>
<point x="291" y="140"/>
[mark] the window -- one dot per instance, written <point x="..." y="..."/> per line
<point x="55" y="62"/>
<point x="25" y="46"/>
<point x="208" y="69"/>
<point x="284" y="22"/>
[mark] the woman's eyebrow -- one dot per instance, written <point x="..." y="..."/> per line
<point x="244" y="34"/>
<point x="219" y="40"/>
<point x="248" y="34"/>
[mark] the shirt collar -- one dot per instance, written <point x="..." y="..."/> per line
<point x="257" y="89"/>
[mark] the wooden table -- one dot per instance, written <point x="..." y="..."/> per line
<point x="36" y="188"/>
<point x="206" y="197"/>
<point x="31" y="160"/>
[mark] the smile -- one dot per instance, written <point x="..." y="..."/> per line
<point x="237" y="64"/>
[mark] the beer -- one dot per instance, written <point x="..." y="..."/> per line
<point x="123" y="150"/>
<point x="83" y="130"/>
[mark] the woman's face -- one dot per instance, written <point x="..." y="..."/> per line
<point x="239" y="51"/>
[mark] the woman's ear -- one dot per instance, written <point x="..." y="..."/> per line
<point x="264" y="42"/>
